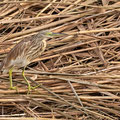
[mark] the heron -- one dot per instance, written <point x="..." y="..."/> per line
<point x="24" y="52"/>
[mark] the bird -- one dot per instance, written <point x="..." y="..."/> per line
<point x="24" y="52"/>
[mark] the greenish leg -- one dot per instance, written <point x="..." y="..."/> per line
<point x="10" y="77"/>
<point x="23" y="74"/>
<point x="29" y="86"/>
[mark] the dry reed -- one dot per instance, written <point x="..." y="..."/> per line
<point x="78" y="76"/>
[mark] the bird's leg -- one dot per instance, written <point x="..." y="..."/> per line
<point x="23" y="74"/>
<point x="29" y="86"/>
<point x="10" y="77"/>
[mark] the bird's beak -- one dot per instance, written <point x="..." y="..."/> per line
<point x="58" y="34"/>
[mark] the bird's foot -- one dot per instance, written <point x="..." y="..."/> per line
<point x="30" y="88"/>
<point x="13" y="88"/>
<point x="33" y="88"/>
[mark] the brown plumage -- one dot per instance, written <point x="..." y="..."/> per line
<point x="25" y="52"/>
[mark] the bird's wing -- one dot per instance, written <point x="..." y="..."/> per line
<point x="16" y="51"/>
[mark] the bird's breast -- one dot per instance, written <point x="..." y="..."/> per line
<point x="19" y="62"/>
<point x="44" y="45"/>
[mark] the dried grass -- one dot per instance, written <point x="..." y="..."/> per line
<point x="78" y="76"/>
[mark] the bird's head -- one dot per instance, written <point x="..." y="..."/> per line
<point x="49" y="34"/>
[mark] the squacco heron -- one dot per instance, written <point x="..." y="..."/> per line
<point x="25" y="52"/>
